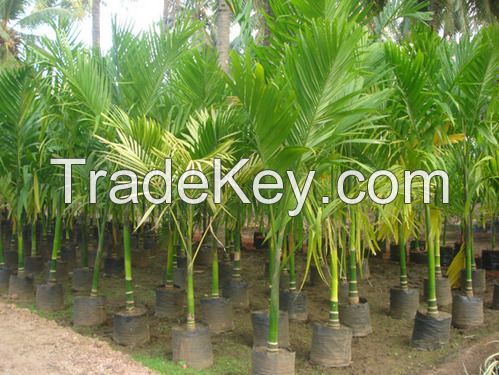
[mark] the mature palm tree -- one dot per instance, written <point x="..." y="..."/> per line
<point x="17" y="16"/>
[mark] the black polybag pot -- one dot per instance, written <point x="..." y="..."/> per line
<point x="278" y="362"/>
<point x="217" y="314"/>
<point x="114" y="267"/>
<point x="260" y="324"/>
<point x="357" y="317"/>
<point x="82" y="280"/>
<point x="331" y="346"/>
<point x="490" y="260"/>
<point x="170" y="302"/>
<point x="192" y="346"/>
<point x="478" y="280"/>
<point x="131" y="327"/>
<point x="89" y="311"/>
<point x="495" y="297"/>
<point x="443" y="289"/>
<point x="295" y="303"/>
<point x="21" y="287"/>
<point x="34" y="264"/>
<point x="50" y="297"/>
<point x="431" y="332"/>
<point x="467" y="311"/>
<point x="180" y="277"/>
<point x="404" y="303"/>
<point x="237" y="291"/>
<point x="4" y="280"/>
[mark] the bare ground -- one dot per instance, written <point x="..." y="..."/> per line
<point x="30" y="344"/>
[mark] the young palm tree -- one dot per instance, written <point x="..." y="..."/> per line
<point x="22" y="135"/>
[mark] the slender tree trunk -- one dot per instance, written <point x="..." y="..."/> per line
<point x="130" y="301"/>
<point x="403" y="262"/>
<point x="214" y="268"/>
<point x="334" y="317"/>
<point x="56" y="244"/>
<point x="170" y="255"/>
<point x="191" y="317"/>
<point x="223" y="34"/>
<point x="431" y="292"/>
<point x="98" y="256"/>
<point x="33" y="239"/>
<point x="2" y="259"/>
<point x="96" y="24"/>
<point x="353" y="293"/>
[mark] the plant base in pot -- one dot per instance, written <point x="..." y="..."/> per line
<point x="4" y="280"/>
<point x="34" y="264"/>
<point x="113" y="267"/>
<point x="357" y="317"/>
<point x="495" y="297"/>
<point x="180" y="277"/>
<point x="444" y="292"/>
<point x="82" y="280"/>
<point x="295" y="303"/>
<point x="272" y="362"/>
<point x="331" y="346"/>
<point x="50" y="297"/>
<point x="430" y="332"/>
<point x="11" y="260"/>
<point x="89" y="311"/>
<point x="404" y="303"/>
<point x="21" y="287"/>
<point x="170" y="302"/>
<point x="192" y="346"/>
<point x="217" y="314"/>
<point x="237" y="291"/>
<point x="260" y="324"/>
<point x="131" y="327"/>
<point x="467" y="311"/>
<point x="478" y="280"/>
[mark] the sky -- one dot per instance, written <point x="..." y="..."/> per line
<point x="140" y="13"/>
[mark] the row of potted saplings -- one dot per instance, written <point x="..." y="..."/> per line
<point x="331" y="344"/>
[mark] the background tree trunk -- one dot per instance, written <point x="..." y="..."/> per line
<point x="96" y="23"/>
<point x="223" y="34"/>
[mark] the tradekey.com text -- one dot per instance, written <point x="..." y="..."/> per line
<point x="268" y="186"/>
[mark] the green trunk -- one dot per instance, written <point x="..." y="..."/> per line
<point x="44" y="227"/>
<point x="403" y="261"/>
<point x="169" y="258"/>
<point x="271" y="264"/>
<point x="273" y="335"/>
<point x="438" y="268"/>
<point x="127" y="250"/>
<point x="191" y="314"/>
<point x="236" y="270"/>
<point x="20" y="248"/>
<point x="353" y="294"/>
<point x="291" y="262"/>
<point x="84" y="239"/>
<point x="215" y="293"/>
<point x="33" y="239"/>
<point x="444" y="233"/>
<point x="2" y="259"/>
<point x="493" y="235"/>
<point x="431" y="292"/>
<point x="98" y="256"/>
<point x="56" y="246"/>
<point x="334" y="319"/>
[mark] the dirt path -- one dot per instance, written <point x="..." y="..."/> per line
<point x="30" y="344"/>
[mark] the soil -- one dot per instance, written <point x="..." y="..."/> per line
<point x="386" y="350"/>
<point x="31" y="344"/>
